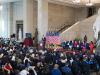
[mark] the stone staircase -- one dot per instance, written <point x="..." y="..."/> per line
<point x="80" y="29"/>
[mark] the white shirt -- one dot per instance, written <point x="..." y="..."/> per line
<point x="26" y="59"/>
<point x="32" y="67"/>
<point x="24" y="72"/>
<point x="13" y="58"/>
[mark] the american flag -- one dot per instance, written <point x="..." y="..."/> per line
<point x="53" y="40"/>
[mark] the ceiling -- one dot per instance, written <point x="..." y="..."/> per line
<point x="80" y="3"/>
<point x="8" y="0"/>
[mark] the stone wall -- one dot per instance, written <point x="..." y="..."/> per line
<point x="60" y="15"/>
<point x="17" y="13"/>
<point x="80" y="13"/>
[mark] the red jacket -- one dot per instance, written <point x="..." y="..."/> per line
<point x="28" y="42"/>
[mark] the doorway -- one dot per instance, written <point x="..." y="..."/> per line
<point x="19" y="30"/>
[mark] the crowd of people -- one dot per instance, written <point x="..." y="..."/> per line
<point x="79" y="45"/>
<point x="19" y="59"/>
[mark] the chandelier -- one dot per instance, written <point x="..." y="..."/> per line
<point x="89" y="3"/>
<point x="76" y="1"/>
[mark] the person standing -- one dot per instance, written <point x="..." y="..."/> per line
<point x="85" y="38"/>
<point x="91" y="47"/>
<point x="56" y="70"/>
<point x="7" y="68"/>
<point x="44" y="42"/>
<point x="28" y="41"/>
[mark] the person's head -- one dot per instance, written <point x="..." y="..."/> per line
<point x="91" y="42"/>
<point x="79" y="41"/>
<point x="38" y="64"/>
<point x="56" y="66"/>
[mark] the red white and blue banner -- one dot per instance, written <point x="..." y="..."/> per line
<point x="53" y="38"/>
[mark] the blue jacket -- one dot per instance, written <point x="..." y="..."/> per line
<point x="56" y="72"/>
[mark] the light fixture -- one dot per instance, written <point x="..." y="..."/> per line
<point x="1" y="7"/>
<point x="76" y="1"/>
<point x="89" y="3"/>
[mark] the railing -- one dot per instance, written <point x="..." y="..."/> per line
<point x="60" y="28"/>
<point x="64" y="28"/>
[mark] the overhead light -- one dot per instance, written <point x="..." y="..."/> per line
<point x="89" y="3"/>
<point x="76" y="1"/>
<point x="1" y="7"/>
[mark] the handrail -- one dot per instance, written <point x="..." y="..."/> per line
<point x="67" y="26"/>
<point x="64" y="27"/>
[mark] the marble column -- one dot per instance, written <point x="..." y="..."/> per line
<point x="6" y="20"/>
<point x="28" y="16"/>
<point x="42" y="18"/>
<point x="10" y="19"/>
